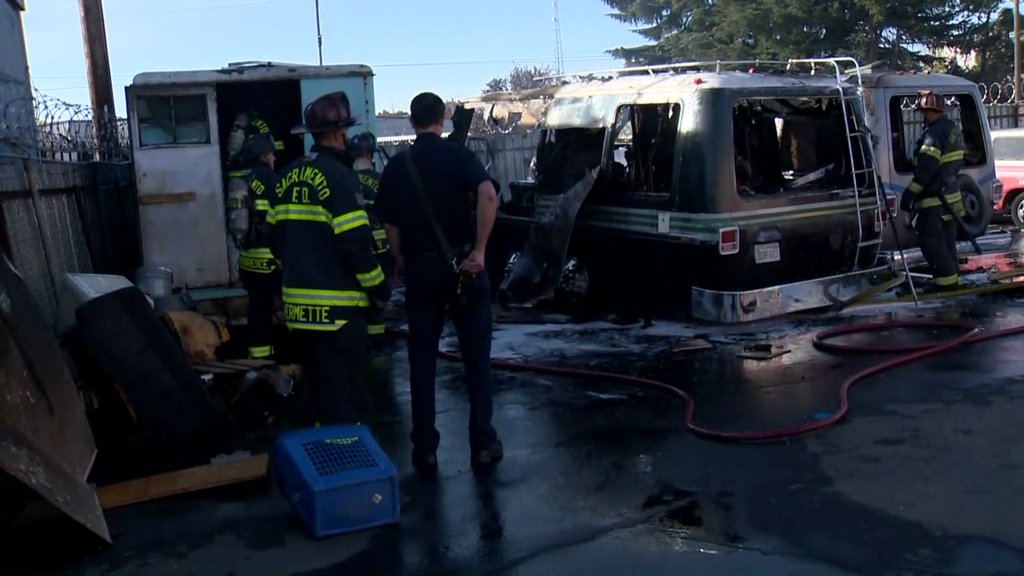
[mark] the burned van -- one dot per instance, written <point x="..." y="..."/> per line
<point x="729" y="191"/>
<point x="182" y="127"/>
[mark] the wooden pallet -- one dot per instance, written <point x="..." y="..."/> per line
<point x="231" y="366"/>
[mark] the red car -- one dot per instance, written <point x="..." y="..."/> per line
<point x="1008" y="151"/>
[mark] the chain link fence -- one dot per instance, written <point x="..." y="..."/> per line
<point x="67" y="200"/>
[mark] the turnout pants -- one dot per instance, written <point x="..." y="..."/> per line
<point x="936" y="231"/>
<point x="375" y="319"/>
<point x="334" y="363"/>
<point x="430" y="287"/>
<point x="262" y="287"/>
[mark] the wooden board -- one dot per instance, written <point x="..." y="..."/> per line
<point x="182" y="481"/>
<point x="167" y="198"/>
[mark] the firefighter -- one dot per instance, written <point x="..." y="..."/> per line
<point x="249" y="194"/>
<point x="247" y="124"/>
<point x="362" y="148"/>
<point x="934" y="193"/>
<point x="321" y="237"/>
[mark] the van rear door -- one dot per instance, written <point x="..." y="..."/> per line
<point x="179" y="181"/>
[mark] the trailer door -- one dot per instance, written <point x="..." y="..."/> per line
<point x="179" y="181"/>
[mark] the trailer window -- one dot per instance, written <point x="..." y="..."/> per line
<point x="173" y="120"/>
<point x="908" y="124"/>
<point x="642" y="153"/>
<point x="796" y="144"/>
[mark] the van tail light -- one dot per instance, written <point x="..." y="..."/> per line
<point x="997" y="192"/>
<point x="728" y="241"/>
<point x="882" y="216"/>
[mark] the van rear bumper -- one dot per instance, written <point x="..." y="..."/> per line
<point x="748" y="306"/>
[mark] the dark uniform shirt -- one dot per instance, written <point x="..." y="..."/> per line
<point x="938" y="157"/>
<point x="450" y="174"/>
<point x="260" y="181"/>
<point x="369" y="182"/>
<point x="322" y="238"/>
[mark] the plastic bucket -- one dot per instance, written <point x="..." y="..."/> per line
<point x="156" y="281"/>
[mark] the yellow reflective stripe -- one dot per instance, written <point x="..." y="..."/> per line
<point x="262" y="204"/>
<point x="319" y="327"/>
<point x="278" y="145"/>
<point x="260" y="351"/>
<point x="954" y="199"/>
<point x="932" y="151"/>
<point x="952" y="157"/>
<point x="325" y="297"/>
<point x="371" y="279"/>
<point x="351" y="220"/>
<point x="915" y="187"/>
<point x="947" y="280"/>
<point x="380" y="234"/>
<point x="301" y="212"/>
<point x="375" y="329"/>
<point x="237" y="173"/>
<point x="258" y="253"/>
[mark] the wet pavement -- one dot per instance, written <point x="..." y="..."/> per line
<point x="924" y="476"/>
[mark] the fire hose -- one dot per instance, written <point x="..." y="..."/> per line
<point x="911" y="353"/>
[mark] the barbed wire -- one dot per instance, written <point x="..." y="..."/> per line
<point x="997" y="92"/>
<point x="34" y="123"/>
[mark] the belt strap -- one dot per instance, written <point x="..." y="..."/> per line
<point x="428" y="207"/>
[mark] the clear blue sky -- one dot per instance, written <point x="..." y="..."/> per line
<point x="452" y="47"/>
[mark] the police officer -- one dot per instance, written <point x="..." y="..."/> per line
<point x="444" y="267"/>
<point x="938" y="157"/>
<point x="321" y="236"/>
<point x="362" y="148"/>
<point x="250" y="190"/>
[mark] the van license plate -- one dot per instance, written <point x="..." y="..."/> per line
<point x="766" y="253"/>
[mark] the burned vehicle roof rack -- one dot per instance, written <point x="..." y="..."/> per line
<point x="791" y="66"/>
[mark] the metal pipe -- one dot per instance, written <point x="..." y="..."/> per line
<point x="319" y="38"/>
<point x="1016" y="52"/>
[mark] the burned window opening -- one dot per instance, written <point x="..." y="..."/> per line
<point x="908" y="125"/>
<point x="565" y="155"/>
<point x="642" y="154"/>
<point x="792" y="145"/>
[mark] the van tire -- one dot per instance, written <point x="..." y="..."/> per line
<point x="978" y="209"/>
<point x="1016" y="209"/>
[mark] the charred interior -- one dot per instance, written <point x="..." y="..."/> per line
<point x="785" y="145"/>
<point x="279" y="103"/>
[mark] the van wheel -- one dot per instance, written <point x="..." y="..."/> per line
<point x="977" y="208"/>
<point x="1017" y="210"/>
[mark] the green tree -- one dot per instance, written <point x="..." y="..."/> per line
<point x="521" y="78"/>
<point x="900" y="33"/>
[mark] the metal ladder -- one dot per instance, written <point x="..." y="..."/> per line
<point x="869" y="171"/>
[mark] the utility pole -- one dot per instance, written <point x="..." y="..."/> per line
<point x="101" y="90"/>
<point x="1016" y="52"/>
<point x="319" y="38"/>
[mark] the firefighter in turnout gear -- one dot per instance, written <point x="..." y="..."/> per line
<point x="250" y="190"/>
<point x="321" y="237"/>
<point x="362" y="148"/>
<point x="934" y="193"/>
<point x="246" y="125"/>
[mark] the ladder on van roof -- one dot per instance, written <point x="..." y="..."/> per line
<point x="869" y="167"/>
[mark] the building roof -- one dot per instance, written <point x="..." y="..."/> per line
<point x="250" y="71"/>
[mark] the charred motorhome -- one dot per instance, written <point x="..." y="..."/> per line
<point x="732" y="191"/>
<point x="181" y="126"/>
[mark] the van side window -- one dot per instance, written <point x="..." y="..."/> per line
<point x="794" y="144"/>
<point x="170" y="120"/>
<point x="908" y="124"/>
<point x="642" y="155"/>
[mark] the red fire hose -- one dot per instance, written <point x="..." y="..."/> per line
<point x="822" y="341"/>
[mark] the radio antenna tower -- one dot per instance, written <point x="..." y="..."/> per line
<point x="558" y="39"/>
